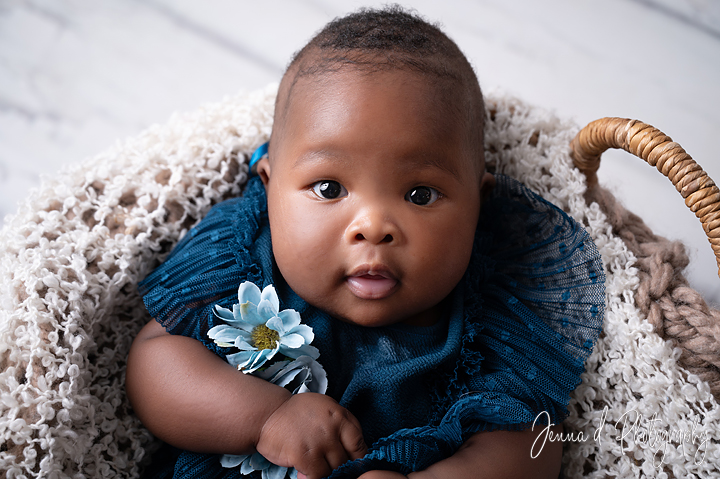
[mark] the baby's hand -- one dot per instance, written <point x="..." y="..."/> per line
<point x="312" y="433"/>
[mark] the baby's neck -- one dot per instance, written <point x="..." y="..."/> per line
<point x="429" y="317"/>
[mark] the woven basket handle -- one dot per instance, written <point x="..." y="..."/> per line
<point x="647" y="142"/>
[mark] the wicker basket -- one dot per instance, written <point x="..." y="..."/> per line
<point x="693" y="326"/>
<point x="701" y="194"/>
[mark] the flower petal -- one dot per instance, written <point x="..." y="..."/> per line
<point x="269" y="353"/>
<point x="223" y="335"/>
<point x="299" y="376"/>
<point x="250" y="315"/>
<point x="223" y="313"/>
<point x="270" y="294"/>
<point x="242" y="344"/>
<point x="231" y="460"/>
<point x="248" y="292"/>
<point x="319" y="378"/>
<point x="258" y="462"/>
<point x="266" y="310"/>
<point x="272" y="370"/>
<point x="290" y="319"/>
<point x="292" y="341"/>
<point x="276" y="324"/>
<point x="295" y="353"/>
<point x="274" y="472"/>
<point x="237" y="319"/>
<point x="251" y="366"/>
<point x="304" y="330"/>
<point x="240" y="359"/>
<point x="259" y="360"/>
<point x="290" y="376"/>
<point x="246" y="467"/>
<point x="302" y="381"/>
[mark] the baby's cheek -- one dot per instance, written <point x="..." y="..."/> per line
<point x="447" y="258"/>
<point x="306" y="260"/>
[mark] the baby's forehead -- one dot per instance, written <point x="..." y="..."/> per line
<point x="425" y="148"/>
<point x="446" y="103"/>
<point x="311" y="91"/>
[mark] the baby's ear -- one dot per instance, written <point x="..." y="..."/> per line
<point x="487" y="183"/>
<point x="263" y="169"/>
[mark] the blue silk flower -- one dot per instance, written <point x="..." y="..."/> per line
<point x="259" y="330"/>
<point x="273" y="346"/>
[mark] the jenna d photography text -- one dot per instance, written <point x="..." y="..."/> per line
<point x="630" y="427"/>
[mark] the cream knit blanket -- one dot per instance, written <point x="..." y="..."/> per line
<point x="72" y="255"/>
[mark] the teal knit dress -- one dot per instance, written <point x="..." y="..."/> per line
<point x="511" y="345"/>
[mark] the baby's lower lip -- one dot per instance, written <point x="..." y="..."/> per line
<point x="371" y="286"/>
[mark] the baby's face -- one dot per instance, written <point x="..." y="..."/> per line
<point x="373" y="197"/>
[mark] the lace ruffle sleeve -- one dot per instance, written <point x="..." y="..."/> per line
<point x="206" y="267"/>
<point x="543" y="302"/>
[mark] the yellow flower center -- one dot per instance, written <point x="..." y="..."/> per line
<point x="264" y="337"/>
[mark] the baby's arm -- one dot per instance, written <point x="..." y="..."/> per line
<point x="497" y="454"/>
<point x="192" y="399"/>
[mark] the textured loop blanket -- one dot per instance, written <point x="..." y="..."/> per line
<point x="71" y="257"/>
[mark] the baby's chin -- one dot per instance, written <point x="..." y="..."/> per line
<point x="400" y="306"/>
<point x="375" y="314"/>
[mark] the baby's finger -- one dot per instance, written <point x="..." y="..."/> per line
<point x="315" y="468"/>
<point x="337" y="457"/>
<point x="352" y="440"/>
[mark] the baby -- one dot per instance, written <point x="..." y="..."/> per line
<point x="445" y="330"/>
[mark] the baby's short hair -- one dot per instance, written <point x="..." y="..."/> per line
<point x="391" y="38"/>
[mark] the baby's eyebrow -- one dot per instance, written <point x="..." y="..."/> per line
<point x="410" y="162"/>
<point x="433" y="161"/>
<point x="318" y="157"/>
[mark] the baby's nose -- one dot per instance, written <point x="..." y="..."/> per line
<point x="373" y="238"/>
<point x="375" y="226"/>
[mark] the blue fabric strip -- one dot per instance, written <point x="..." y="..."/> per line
<point x="259" y="154"/>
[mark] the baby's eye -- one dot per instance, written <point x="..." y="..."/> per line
<point x="422" y="195"/>
<point x="329" y="189"/>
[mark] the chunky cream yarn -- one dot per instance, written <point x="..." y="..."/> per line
<point x="72" y="255"/>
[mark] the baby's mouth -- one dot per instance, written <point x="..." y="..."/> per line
<point x="372" y="282"/>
